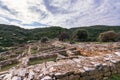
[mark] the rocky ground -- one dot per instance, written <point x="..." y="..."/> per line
<point x="83" y="61"/>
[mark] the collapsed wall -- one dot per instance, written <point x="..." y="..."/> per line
<point x="8" y="62"/>
<point x="80" y="68"/>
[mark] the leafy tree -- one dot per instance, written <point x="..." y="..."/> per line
<point x="44" y="39"/>
<point x="63" y="36"/>
<point x="80" y="35"/>
<point x="108" y="36"/>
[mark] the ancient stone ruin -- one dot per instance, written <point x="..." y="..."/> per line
<point x="85" y="61"/>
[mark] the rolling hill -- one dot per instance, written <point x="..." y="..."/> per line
<point x="11" y="35"/>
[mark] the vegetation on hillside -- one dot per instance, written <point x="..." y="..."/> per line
<point x="12" y="35"/>
<point x="64" y="36"/>
<point x="108" y="36"/>
<point x="94" y="31"/>
<point x="80" y="35"/>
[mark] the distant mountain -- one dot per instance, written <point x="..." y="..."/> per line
<point x="12" y="35"/>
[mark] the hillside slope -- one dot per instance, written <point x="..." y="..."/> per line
<point x="94" y="31"/>
<point x="11" y="35"/>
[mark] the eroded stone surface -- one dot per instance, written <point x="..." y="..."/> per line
<point x="95" y="62"/>
<point x="85" y="67"/>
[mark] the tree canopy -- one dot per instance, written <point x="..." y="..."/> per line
<point x="108" y="36"/>
<point x="80" y="35"/>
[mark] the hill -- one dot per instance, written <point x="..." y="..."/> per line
<point x="94" y="31"/>
<point x="10" y="35"/>
<point x="13" y="35"/>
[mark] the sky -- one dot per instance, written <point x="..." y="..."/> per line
<point x="65" y="13"/>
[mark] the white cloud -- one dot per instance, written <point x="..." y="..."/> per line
<point x="66" y="13"/>
<point x="3" y="21"/>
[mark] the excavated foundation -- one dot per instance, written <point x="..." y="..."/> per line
<point x="81" y="68"/>
<point x="75" y="62"/>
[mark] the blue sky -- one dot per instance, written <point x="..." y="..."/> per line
<point x="65" y="13"/>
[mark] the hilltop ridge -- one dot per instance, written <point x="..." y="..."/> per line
<point x="11" y="35"/>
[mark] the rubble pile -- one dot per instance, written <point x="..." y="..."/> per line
<point x="81" y="68"/>
<point x="8" y="62"/>
<point x="84" y="61"/>
<point x="89" y="49"/>
<point x="93" y="49"/>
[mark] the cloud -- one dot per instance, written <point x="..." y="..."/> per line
<point x="65" y="13"/>
<point x="35" y="24"/>
<point x="3" y="21"/>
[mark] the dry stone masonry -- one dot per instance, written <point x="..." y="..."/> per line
<point x="81" y="68"/>
<point x="76" y="62"/>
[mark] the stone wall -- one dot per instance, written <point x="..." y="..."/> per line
<point x="43" y="56"/>
<point x="8" y="62"/>
<point x="99" y="68"/>
<point x="80" y="68"/>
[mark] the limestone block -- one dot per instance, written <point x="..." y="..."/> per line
<point x="97" y="76"/>
<point x="16" y="78"/>
<point x="107" y="74"/>
<point x="58" y="75"/>
<point x="117" y="53"/>
<point x="47" y="78"/>
<point x="94" y="72"/>
<point x="74" y="77"/>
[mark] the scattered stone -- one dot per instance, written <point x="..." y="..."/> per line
<point x="47" y="78"/>
<point x="96" y="62"/>
<point x="117" y="53"/>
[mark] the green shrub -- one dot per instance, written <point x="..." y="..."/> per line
<point x="108" y="36"/>
<point x="118" y="36"/>
<point x="63" y="36"/>
<point x="44" y="39"/>
<point x="80" y="35"/>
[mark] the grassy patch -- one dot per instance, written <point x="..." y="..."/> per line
<point x="115" y="77"/>
<point x="5" y="68"/>
<point x="34" y="51"/>
<point x="103" y="42"/>
<point x="39" y="61"/>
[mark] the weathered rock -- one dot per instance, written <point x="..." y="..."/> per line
<point x="47" y="78"/>
<point x="93" y="66"/>
<point x="117" y="53"/>
<point x="16" y="78"/>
